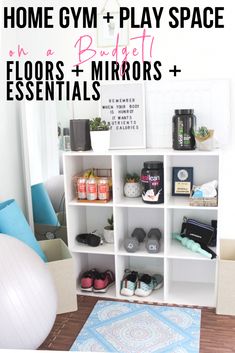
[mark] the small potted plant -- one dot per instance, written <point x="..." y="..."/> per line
<point x="109" y="231"/>
<point x="204" y="139"/>
<point x="132" y="187"/>
<point x="100" y="134"/>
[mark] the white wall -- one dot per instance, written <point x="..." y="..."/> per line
<point x="11" y="173"/>
<point x="11" y="164"/>
<point x="201" y="54"/>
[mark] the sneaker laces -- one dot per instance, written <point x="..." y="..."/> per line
<point x="91" y="274"/>
<point x="132" y="277"/>
<point x="146" y="278"/>
<point x="107" y="274"/>
<point x="100" y="276"/>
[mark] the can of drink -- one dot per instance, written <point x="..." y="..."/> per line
<point x="103" y="189"/>
<point x="91" y="189"/>
<point x="81" y="188"/>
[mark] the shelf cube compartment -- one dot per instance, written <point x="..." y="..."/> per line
<point x="129" y="164"/>
<point x="144" y="265"/>
<point x="75" y="164"/>
<point x="205" y="169"/>
<point x="174" y="248"/>
<point x="100" y="262"/>
<point x="131" y="218"/>
<point x="86" y="219"/>
<point x="191" y="283"/>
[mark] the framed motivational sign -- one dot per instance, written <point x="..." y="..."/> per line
<point x="123" y="108"/>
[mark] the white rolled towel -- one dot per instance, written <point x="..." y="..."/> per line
<point x="208" y="190"/>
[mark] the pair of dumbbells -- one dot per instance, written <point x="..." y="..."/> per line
<point x="152" y="240"/>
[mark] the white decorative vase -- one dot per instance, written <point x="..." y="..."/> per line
<point x="108" y="235"/>
<point x="100" y="140"/>
<point x="132" y="189"/>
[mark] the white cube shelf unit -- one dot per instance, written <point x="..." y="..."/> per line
<point x="189" y="278"/>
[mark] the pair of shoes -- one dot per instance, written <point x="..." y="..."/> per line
<point x="141" y="285"/>
<point x="97" y="282"/>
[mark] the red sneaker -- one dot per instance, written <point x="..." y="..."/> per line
<point x="87" y="280"/>
<point x="103" y="281"/>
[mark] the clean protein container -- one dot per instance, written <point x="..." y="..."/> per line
<point x="184" y="126"/>
<point x="152" y="182"/>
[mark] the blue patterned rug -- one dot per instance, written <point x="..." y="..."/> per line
<point x="139" y="328"/>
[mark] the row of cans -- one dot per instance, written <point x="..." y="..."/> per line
<point x="93" y="189"/>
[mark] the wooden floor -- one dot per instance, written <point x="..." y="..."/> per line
<point x="217" y="332"/>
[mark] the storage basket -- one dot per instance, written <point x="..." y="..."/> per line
<point x="203" y="201"/>
<point x="225" y="278"/>
<point x="98" y="173"/>
<point x="61" y="266"/>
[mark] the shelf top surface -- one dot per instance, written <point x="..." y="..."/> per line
<point x="178" y="251"/>
<point x="173" y="202"/>
<point x="105" y="249"/>
<point x="145" y="151"/>
<point x="75" y="202"/>
<point x="136" y="202"/>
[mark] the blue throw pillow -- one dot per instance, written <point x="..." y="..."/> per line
<point x="13" y="223"/>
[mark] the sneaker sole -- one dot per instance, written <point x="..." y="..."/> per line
<point x="87" y="289"/>
<point x="103" y="290"/>
<point x="126" y="292"/>
<point x="141" y="293"/>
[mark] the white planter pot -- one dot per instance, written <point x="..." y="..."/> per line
<point x="132" y="189"/>
<point x="207" y="145"/>
<point x="108" y="235"/>
<point x="100" y="140"/>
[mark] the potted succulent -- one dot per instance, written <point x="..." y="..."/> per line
<point x="204" y="138"/>
<point x="100" y="134"/>
<point x="109" y="231"/>
<point x="132" y="187"/>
